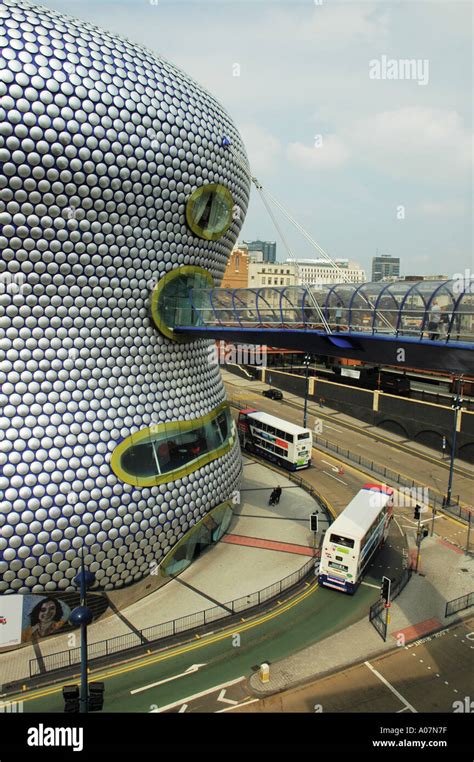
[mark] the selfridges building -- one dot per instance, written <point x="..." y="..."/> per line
<point x="117" y="188"/>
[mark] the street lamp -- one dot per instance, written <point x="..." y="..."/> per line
<point x="82" y="616"/>
<point x="456" y="406"/>
<point x="306" y="362"/>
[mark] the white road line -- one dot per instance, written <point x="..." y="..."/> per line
<point x="196" y="695"/>
<point x="334" y="477"/>
<point x="334" y="468"/>
<point x="189" y="671"/>
<point x="398" y="525"/>
<point x="327" y="426"/>
<point x="221" y="697"/>
<point x="369" y="584"/>
<point x="231" y="708"/>
<point x="391" y="688"/>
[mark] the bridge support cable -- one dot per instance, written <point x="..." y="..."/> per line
<point x="266" y="196"/>
<point x="243" y="164"/>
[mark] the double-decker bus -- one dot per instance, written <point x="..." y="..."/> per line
<point x="275" y="439"/>
<point x="352" y="539"/>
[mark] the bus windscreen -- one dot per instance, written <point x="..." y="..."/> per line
<point x="339" y="540"/>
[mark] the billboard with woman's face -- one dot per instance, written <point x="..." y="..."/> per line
<point x="42" y="616"/>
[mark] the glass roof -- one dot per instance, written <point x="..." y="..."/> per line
<point x="437" y="310"/>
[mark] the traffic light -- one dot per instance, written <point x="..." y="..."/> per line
<point x="96" y="697"/>
<point x="386" y="585"/>
<point x="314" y="522"/>
<point x="417" y="512"/>
<point x="71" y="698"/>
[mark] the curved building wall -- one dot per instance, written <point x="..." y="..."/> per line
<point x="101" y="145"/>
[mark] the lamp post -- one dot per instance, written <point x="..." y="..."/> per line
<point x="457" y="404"/>
<point x="306" y="362"/>
<point x="81" y="616"/>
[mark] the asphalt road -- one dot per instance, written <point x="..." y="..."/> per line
<point x="429" y="675"/>
<point x="163" y="678"/>
<point x="416" y="462"/>
<point x="339" y="488"/>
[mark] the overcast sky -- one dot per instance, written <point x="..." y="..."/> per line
<point x="362" y="163"/>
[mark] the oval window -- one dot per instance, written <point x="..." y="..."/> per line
<point x="209" y="211"/>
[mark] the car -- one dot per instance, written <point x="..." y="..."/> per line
<point x="273" y="394"/>
<point x="3" y="620"/>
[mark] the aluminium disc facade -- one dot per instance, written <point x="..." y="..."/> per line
<point x="101" y="144"/>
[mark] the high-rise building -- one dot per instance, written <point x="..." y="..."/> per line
<point x="268" y="249"/>
<point x="385" y="267"/>
<point x="319" y="271"/>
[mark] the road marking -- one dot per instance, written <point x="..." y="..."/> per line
<point x="225" y="700"/>
<point x="334" y="477"/>
<point x="189" y="671"/>
<point x="368" y="584"/>
<point x="327" y="426"/>
<point x="231" y="708"/>
<point x="391" y="688"/>
<point x="334" y="468"/>
<point x="161" y="709"/>
<point x="182" y="708"/>
<point x="170" y="654"/>
<point x="398" y="525"/>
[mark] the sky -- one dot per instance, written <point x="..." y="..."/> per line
<point x="356" y="116"/>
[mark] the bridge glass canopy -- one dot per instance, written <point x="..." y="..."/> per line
<point x="437" y="310"/>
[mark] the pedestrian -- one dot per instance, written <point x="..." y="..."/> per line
<point x="277" y="494"/>
<point x="434" y="321"/>
<point x="272" y="500"/>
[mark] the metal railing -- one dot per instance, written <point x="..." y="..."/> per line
<point x="436" y="501"/>
<point x="459" y="604"/>
<point x="375" y="611"/>
<point x="129" y="641"/>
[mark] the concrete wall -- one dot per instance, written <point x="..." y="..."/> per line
<point x="423" y="422"/>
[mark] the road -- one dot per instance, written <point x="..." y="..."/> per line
<point x="417" y="462"/>
<point x="427" y="676"/>
<point x="339" y="487"/>
<point x="200" y="669"/>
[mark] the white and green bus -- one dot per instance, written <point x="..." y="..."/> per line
<point x="354" y="537"/>
<point x="273" y="438"/>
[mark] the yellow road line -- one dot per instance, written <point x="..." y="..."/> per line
<point x="192" y="646"/>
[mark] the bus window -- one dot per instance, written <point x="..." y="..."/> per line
<point x="345" y="541"/>
<point x="305" y="435"/>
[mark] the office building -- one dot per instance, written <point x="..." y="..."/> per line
<point x="320" y="271"/>
<point x="385" y="267"/>
<point x="268" y="249"/>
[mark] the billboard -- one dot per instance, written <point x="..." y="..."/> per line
<point x="11" y="617"/>
<point x="43" y="615"/>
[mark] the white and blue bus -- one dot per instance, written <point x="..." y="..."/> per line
<point x="354" y="536"/>
<point x="273" y="438"/>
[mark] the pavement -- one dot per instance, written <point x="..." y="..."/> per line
<point x="263" y="545"/>
<point x="432" y="674"/>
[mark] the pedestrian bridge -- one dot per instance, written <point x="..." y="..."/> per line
<point x="422" y="324"/>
